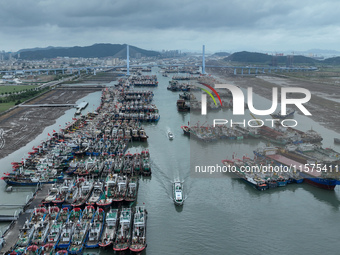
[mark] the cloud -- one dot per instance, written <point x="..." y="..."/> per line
<point x="51" y="21"/>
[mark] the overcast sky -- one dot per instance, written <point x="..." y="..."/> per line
<point x="228" y="25"/>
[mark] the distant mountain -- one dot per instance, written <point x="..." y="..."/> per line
<point x="255" y="57"/>
<point x="46" y="48"/>
<point x="221" y="54"/>
<point x="332" y="61"/>
<point x="96" y="50"/>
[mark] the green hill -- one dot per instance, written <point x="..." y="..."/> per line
<point x="255" y="57"/>
<point x="93" y="51"/>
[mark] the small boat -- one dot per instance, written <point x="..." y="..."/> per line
<point x="75" y="215"/>
<point x="178" y="193"/>
<point x="170" y="135"/>
<point x="138" y="242"/>
<point x="123" y="238"/>
<point x="110" y="228"/>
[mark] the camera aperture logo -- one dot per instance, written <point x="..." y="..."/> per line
<point x="239" y="100"/>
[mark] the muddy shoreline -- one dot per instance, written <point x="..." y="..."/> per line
<point x="23" y="124"/>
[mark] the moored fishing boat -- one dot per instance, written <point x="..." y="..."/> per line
<point x="25" y="237"/>
<point x="66" y="235"/>
<point x="138" y="242"/>
<point x="132" y="190"/>
<point x="54" y="233"/>
<point x="40" y="233"/>
<point x="78" y="238"/>
<point x="320" y="179"/>
<point x="52" y="195"/>
<point x="121" y="189"/>
<point x="84" y="192"/>
<point x="88" y="214"/>
<point x="186" y="130"/>
<point x="110" y="228"/>
<point x="110" y="186"/>
<point x="95" y="229"/>
<point x="47" y="249"/>
<point x="32" y="250"/>
<point x="123" y="238"/>
<point x="96" y="193"/>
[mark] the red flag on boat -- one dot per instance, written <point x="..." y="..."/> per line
<point x="48" y="134"/>
<point x="54" y="131"/>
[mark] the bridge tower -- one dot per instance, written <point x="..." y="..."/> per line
<point x="127" y="60"/>
<point x="203" y="60"/>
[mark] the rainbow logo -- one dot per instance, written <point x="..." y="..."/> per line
<point x="213" y="90"/>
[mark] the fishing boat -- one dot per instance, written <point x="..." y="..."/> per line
<point x="121" y="189"/>
<point x="40" y="233"/>
<point x="32" y="250"/>
<point x="131" y="194"/>
<point x="137" y="164"/>
<point x="142" y="135"/>
<point x="110" y="186"/>
<point x="63" y="215"/>
<point x="62" y="252"/>
<point x="75" y="215"/>
<point x="52" y="213"/>
<point x="84" y="192"/>
<point x="95" y="229"/>
<point x="54" y="233"/>
<point x="110" y="228"/>
<point x="146" y="162"/>
<point x="186" y="130"/>
<point x="78" y="238"/>
<point x="123" y="237"/>
<point x="96" y="193"/>
<point x="64" y="190"/>
<point x="38" y="215"/>
<point x="52" y="195"/>
<point x="177" y="190"/>
<point x="138" y="242"/>
<point x="88" y="214"/>
<point x="66" y="235"/>
<point x="311" y="176"/>
<point x="25" y="237"/>
<point x="47" y="249"/>
<point x="170" y="135"/>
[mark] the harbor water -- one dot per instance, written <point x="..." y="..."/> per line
<point x="220" y="215"/>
